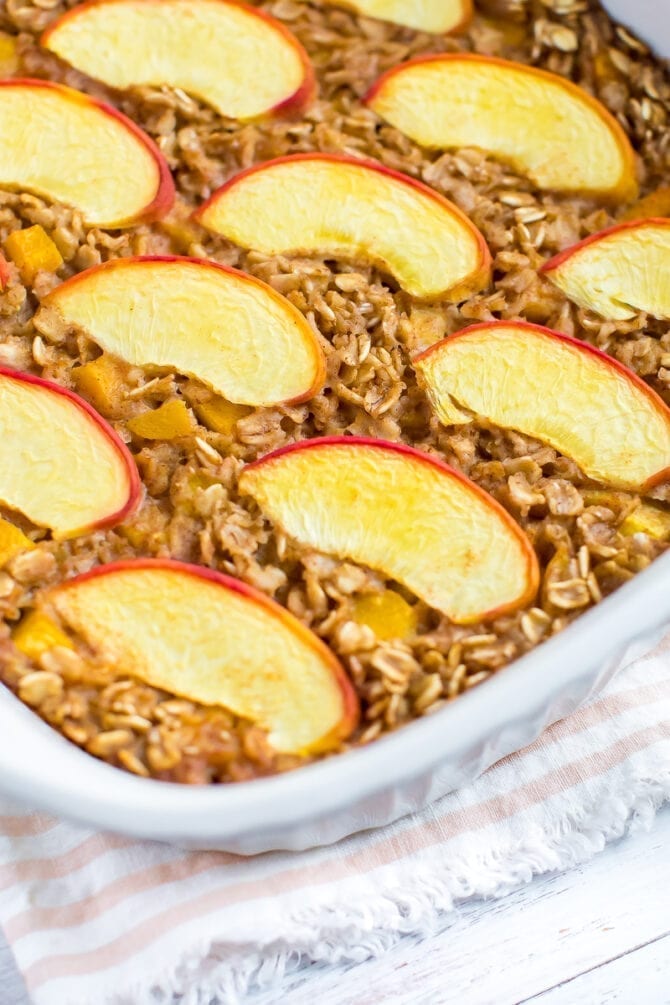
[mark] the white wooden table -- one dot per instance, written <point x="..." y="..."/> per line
<point x="598" y="935"/>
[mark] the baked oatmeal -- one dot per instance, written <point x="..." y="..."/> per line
<point x="404" y="658"/>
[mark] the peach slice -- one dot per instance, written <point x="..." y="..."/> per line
<point x="387" y="614"/>
<point x="208" y="321"/>
<point x="343" y="207"/>
<point x="435" y="16"/>
<point x="619" y="271"/>
<point x="404" y="513"/>
<point x="61" y="465"/>
<point x="79" y="151"/>
<point x="9" y="57"/>
<point x="239" y="60"/>
<point x="221" y="415"/>
<point x="33" y="251"/>
<point x="212" y="639"/>
<point x="542" y="124"/>
<point x="169" y="421"/>
<point x="12" y="542"/>
<point x="656" y="204"/>
<point x="557" y="389"/>
<point x="654" y="521"/>
<point x="101" y="382"/>
<point x="37" y="634"/>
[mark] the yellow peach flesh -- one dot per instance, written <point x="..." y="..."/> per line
<point x="211" y="49"/>
<point x="539" y="122"/>
<point x="436" y="16"/>
<point x="525" y="379"/>
<point x="57" y="465"/>
<point x="235" y="334"/>
<point x="221" y="415"/>
<point x="101" y="383"/>
<point x="648" y="519"/>
<point x="197" y="639"/>
<point x="72" y="151"/>
<point x="9" y="57"/>
<point x="338" y="208"/>
<point x="623" y="272"/>
<point x="33" y="251"/>
<point x="402" y="515"/>
<point x="12" y="542"/>
<point x="38" y="633"/>
<point x="169" y="421"/>
<point x="387" y="614"/>
<point x="657" y="203"/>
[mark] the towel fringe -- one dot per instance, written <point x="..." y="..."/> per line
<point x="343" y="933"/>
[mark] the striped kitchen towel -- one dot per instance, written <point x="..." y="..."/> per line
<point x="96" y="919"/>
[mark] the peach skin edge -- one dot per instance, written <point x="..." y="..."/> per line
<point x="289" y="106"/>
<point x="350" y="704"/>
<point x="627" y="188"/>
<point x="165" y="189"/>
<point x="483" y="273"/>
<point x="563" y="256"/>
<point x="579" y="346"/>
<point x="243" y="277"/>
<point x="533" y="572"/>
<point x="134" y="483"/>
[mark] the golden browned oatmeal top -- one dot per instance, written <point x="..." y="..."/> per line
<point x="368" y="329"/>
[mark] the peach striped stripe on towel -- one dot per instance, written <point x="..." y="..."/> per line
<point x="98" y="918"/>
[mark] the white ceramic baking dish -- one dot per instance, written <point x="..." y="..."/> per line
<point x="376" y="784"/>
